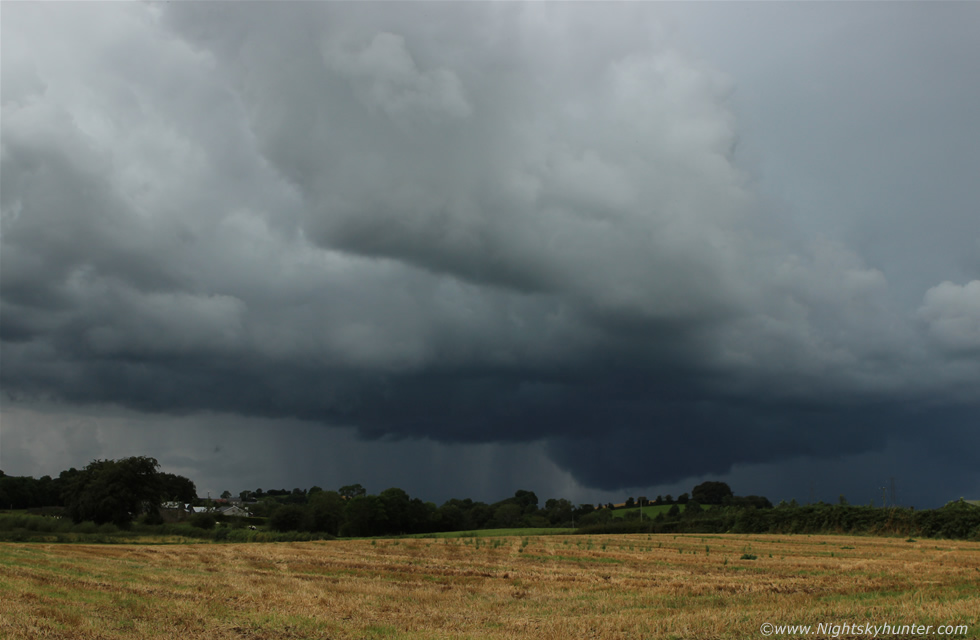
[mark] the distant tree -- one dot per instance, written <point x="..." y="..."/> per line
<point x="712" y="493"/>
<point x="535" y="520"/>
<point x="114" y="491"/>
<point x="479" y="516"/>
<point x="759" y="502"/>
<point x="659" y="500"/>
<point x="364" y="516"/>
<point x="24" y="492"/>
<point x="630" y="503"/>
<point x="642" y="501"/>
<point x="451" y="517"/>
<point x="326" y="510"/>
<point x="225" y="495"/>
<point x="584" y="509"/>
<point x="288" y="517"/>
<point x="264" y="507"/>
<point x="674" y="511"/>
<point x="352" y="491"/>
<point x="683" y="498"/>
<point x="527" y="500"/>
<point x="668" y="499"/>
<point x="177" y="488"/>
<point x="558" y="511"/>
<point x="422" y="516"/>
<point x="596" y="516"/>
<point x="18" y="492"/>
<point x="396" y="505"/>
<point x="692" y="509"/>
<point x="507" y="515"/>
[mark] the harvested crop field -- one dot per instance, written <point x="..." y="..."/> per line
<point x="552" y="587"/>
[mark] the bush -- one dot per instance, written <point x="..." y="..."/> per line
<point x="287" y="518"/>
<point x="203" y="521"/>
<point x="87" y="527"/>
<point x="153" y="517"/>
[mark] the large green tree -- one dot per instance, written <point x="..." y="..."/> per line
<point x="558" y="511"/>
<point x="177" y="488"/>
<point x="397" y="505"/>
<point x="352" y="491"/>
<point x="289" y="517"/>
<point x="364" y="516"/>
<point x="712" y="493"/>
<point x="114" y="491"/>
<point x="326" y="511"/>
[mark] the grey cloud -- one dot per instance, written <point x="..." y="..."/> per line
<point x="952" y="316"/>
<point x="386" y="77"/>
<point x="467" y="223"/>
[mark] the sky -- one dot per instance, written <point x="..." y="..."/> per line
<point x="593" y="250"/>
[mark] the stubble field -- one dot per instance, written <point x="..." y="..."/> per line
<point x="551" y="587"/>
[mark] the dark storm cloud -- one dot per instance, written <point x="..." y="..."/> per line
<point x="463" y="223"/>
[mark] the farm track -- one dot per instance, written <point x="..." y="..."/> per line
<point x="551" y="587"/>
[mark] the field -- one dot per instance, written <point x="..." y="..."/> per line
<point x="496" y="533"/>
<point x="551" y="587"/>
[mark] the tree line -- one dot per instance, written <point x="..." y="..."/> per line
<point x="118" y="492"/>
<point x="104" y="491"/>
<point x="955" y="520"/>
<point x="351" y="511"/>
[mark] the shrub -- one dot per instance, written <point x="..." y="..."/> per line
<point x="202" y="521"/>
<point x="153" y="517"/>
<point x="87" y="527"/>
